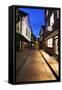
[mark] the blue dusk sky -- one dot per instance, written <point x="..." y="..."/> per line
<point x="37" y="19"/>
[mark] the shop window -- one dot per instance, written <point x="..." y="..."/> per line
<point x="50" y="42"/>
<point x="56" y="46"/>
<point x="56" y="37"/>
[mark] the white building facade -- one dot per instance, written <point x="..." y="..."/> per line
<point x="23" y="29"/>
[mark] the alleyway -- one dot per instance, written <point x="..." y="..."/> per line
<point x="35" y="65"/>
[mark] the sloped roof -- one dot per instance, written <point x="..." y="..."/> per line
<point x="21" y="13"/>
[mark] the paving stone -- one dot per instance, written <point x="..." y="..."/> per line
<point x="35" y="69"/>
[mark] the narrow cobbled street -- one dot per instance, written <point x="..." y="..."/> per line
<point x="35" y="65"/>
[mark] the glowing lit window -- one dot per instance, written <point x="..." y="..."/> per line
<point x="50" y="42"/>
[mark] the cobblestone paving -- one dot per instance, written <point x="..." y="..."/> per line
<point x="34" y="67"/>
